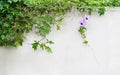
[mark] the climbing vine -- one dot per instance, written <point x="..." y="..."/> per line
<point x="21" y="16"/>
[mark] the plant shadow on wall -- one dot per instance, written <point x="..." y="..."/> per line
<point x="20" y="16"/>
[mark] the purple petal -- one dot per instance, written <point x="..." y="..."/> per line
<point x="86" y="18"/>
<point x="82" y="23"/>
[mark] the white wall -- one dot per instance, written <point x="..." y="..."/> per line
<point x="70" y="56"/>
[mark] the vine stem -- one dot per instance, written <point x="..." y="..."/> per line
<point x="96" y="59"/>
<point x="44" y="37"/>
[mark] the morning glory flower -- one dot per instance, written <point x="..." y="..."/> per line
<point x="82" y="23"/>
<point x="86" y="18"/>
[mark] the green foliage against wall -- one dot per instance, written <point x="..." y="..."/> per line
<point x="20" y="16"/>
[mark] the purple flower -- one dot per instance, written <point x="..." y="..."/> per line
<point x="86" y="18"/>
<point x="82" y="23"/>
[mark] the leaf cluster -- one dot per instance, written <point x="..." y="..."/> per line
<point x="43" y="46"/>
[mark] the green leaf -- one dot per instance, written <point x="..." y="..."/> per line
<point x="44" y="29"/>
<point x="45" y="47"/>
<point x="82" y="30"/>
<point x="101" y="10"/>
<point x="49" y="42"/>
<point x="35" y="45"/>
<point x="48" y="49"/>
<point x="3" y="37"/>
<point x="42" y="45"/>
<point x="17" y="43"/>
<point x="6" y="25"/>
<point x="85" y="42"/>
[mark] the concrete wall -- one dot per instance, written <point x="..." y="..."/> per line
<point x="70" y="56"/>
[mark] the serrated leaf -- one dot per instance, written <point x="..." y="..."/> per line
<point x="49" y="42"/>
<point x="48" y="49"/>
<point x="35" y="45"/>
<point x="42" y="45"/>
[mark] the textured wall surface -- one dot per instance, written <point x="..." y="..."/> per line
<point x="70" y="56"/>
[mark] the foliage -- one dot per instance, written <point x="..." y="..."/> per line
<point x="82" y="32"/>
<point x="20" y="16"/>
<point x="44" y="46"/>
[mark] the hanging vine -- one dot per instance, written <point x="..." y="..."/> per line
<point x="20" y="16"/>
